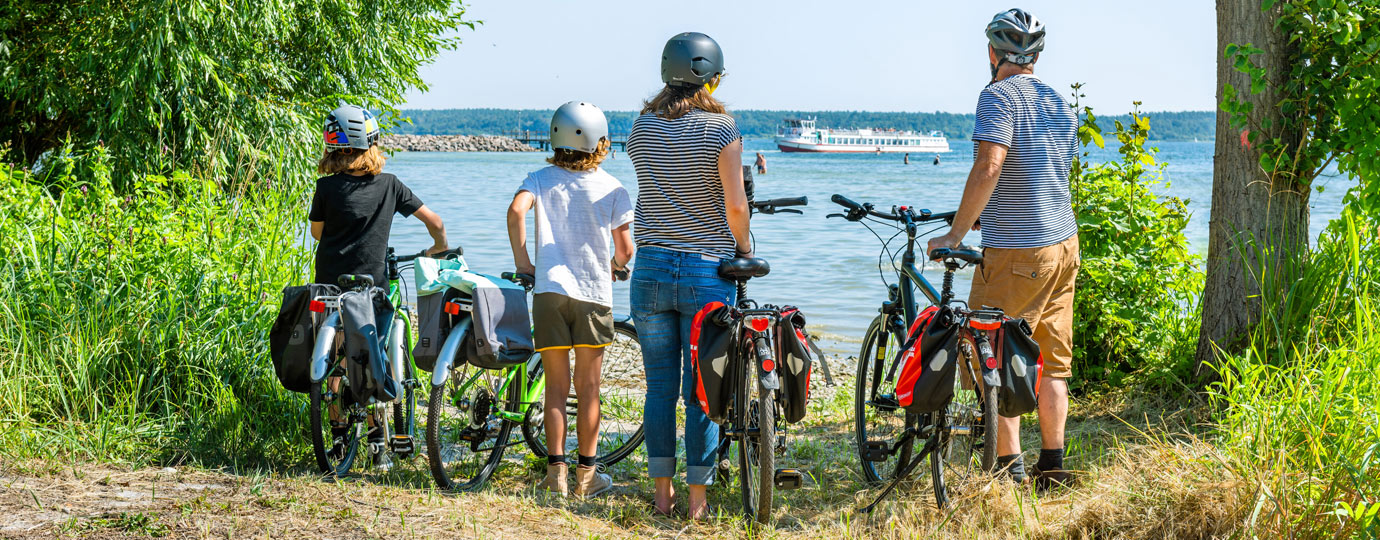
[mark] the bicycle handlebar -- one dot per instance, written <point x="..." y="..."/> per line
<point x="858" y="211"/>
<point x="457" y="251"/>
<point x="773" y="206"/>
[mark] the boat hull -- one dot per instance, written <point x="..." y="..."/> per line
<point x="799" y="146"/>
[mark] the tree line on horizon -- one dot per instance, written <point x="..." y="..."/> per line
<point x="1164" y="126"/>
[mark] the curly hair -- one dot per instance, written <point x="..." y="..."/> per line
<point x="351" y="161"/>
<point x="575" y="160"/>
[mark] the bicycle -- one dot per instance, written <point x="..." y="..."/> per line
<point x="885" y="432"/>
<point x="753" y="418"/>
<point x="471" y="410"/>
<point x="329" y="384"/>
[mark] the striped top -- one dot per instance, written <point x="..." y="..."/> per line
<point x="1031" y="205"/>
<point x="680" y="197"/>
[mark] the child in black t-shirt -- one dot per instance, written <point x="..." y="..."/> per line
<point x="351" y="215"/>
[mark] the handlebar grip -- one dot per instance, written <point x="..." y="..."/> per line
<point x="845" y="202"/>
<point x="785" y="201"/>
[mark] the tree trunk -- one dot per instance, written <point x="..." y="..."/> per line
<point x="1259" y="221"/>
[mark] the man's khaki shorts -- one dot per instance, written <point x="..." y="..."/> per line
<point x="562" y="322"/>
<point x="1035" y="284"/>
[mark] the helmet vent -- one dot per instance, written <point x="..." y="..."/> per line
<point x="579" y="132"/>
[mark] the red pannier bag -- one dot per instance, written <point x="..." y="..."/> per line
<point x="1022" y="366"/>
<point x="709" y="343"/>
<point x="926" y="383"/>
<point x="795" y="361"/>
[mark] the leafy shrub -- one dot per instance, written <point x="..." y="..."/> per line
<point x="134" y="322"/>
<point x="1134" y="311"/>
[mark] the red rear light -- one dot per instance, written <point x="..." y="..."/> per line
<point x="760" y="324"/>
<point x="452" y="308"/>
<point x="768" y="364"/>
<point x="317" y="306"/>
<point x="903" y="208"/>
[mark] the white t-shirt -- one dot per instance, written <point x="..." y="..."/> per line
<point x="576" y="213"/>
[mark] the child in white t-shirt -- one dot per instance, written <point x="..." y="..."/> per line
<point x="578" y="208"/>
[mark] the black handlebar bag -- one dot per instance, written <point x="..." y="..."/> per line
<point x="796" y="359"/>
<point x="365" y="319"/>
<point x="928" y="365"/>
<point x="709" y="344"/>
<point x="292" y="339"/>
<point x="1022" y="365"/>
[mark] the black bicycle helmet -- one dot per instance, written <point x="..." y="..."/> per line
<point x="691" y="59"/>
<point x="1016" y="35"/>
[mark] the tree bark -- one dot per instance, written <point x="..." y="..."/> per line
<point x="1259" y="221"/>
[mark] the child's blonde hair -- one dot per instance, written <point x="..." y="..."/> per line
<point x="575" y="160"/>
<point x="351" y="161"/>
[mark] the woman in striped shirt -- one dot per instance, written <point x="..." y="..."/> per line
<point x="692" y="212"/>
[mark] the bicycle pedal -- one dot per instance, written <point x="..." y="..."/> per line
<point x="886" y="402"/>
<point x="402" y="445"/>
<point x="876" y="451"/>
<point x="787" y="479"/>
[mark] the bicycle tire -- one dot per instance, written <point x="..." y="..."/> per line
<point x="321" y="432"/>
<point x="757" y="455"/>
<point x="436" y="452"/>
<point x="989" y="429"/>
<point x="533" y="432"/>
<point x="872" y="366"/>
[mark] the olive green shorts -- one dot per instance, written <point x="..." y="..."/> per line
<point x="562" y="322"/>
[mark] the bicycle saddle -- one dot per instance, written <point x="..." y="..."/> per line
<point x="353" y="281"/>
<point x="743" y="268"/>
<point x="965" y="254"/>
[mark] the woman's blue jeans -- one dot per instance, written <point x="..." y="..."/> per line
<point x="667" y="289"/>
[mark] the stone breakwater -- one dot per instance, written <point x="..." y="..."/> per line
<point x="453" y="143"/>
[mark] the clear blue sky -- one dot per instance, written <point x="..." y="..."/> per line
<point x="814" y="55"/>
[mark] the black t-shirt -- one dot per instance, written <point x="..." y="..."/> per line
<point x="358" y="213"/>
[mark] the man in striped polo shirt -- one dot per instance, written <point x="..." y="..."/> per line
<point x="1025" y="140"/>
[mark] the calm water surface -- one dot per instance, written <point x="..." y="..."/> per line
<point x="828" y="267"/>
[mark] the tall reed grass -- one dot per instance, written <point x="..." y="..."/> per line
<point x="133" y="324"/>
<point x="1299" y="412"/>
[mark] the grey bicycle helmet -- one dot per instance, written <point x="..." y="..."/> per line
<point x="1016" y="35"/>
<point x="350" y="126"/>
<point x="578" y="126"/>
<point x="691" y="59"/>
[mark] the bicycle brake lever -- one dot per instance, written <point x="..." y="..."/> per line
<point x="835" y="215"/>
<point x="789" y="211"/>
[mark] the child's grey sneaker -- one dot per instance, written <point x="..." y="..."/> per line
<point x="589" y="482"/>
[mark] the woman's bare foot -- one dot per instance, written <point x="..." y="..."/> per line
<point x="699" y="502"/>
<point x="664" y="497"/>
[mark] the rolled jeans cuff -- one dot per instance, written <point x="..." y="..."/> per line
<point x="661" y="467"/>
<point x="699" y="476"/>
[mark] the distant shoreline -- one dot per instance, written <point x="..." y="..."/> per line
<point x="453" y="143"/>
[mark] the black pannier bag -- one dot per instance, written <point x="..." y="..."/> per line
<point x="365" y="318"/>
<point x="926" y="383"/>
<point x="709" y="344"/>
<point x="434" y="325"/>
<point x="1022" y="365"/>
<point x="293" y="336"/>
<point x="501" y="335"/>
<point x="796" y="358"/>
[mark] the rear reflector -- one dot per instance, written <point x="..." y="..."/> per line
<point x="316" y="306"/>
<point x="768" y="364"/>
<point x="452" y="308"/>
<point x="760" y="324"/>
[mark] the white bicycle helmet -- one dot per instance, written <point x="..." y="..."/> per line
<point x="580" y="126"/>
<point x="350" y="126"/>
<point x="1017" y="36"/>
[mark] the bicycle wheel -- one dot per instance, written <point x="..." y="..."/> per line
<point x="967" y="432"/>
<point x="465" y="439"/>
<point x="876" y="414"/>
<point x="405" y="409"/>
<point x="622" y="389"/>
<point x="757" y="447"/>
<point x="330" y="459"/>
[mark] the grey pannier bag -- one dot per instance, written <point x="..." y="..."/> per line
<point x="502" y="329"/>
<point x="433" y="326"/>
<point x="365" y="317"/>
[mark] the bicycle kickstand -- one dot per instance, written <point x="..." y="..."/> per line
<point x="910" y="468"/>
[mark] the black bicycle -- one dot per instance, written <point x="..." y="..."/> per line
<point x="960" y="438"/>
<point x="754" y="419"/>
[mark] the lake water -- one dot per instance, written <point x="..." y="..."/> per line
<point x="828" y="267"/>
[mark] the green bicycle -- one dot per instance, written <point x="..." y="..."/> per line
<point x="471" y="411"/>
<point x="336" y="454"/>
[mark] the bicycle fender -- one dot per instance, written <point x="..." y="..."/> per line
<point x="325" y="347"/>
<point x="449" y="351"/>
<point x="991" y="377"/>
<point x="769" y="380"/>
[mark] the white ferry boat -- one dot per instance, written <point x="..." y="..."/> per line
<point x="801" y="135"/>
